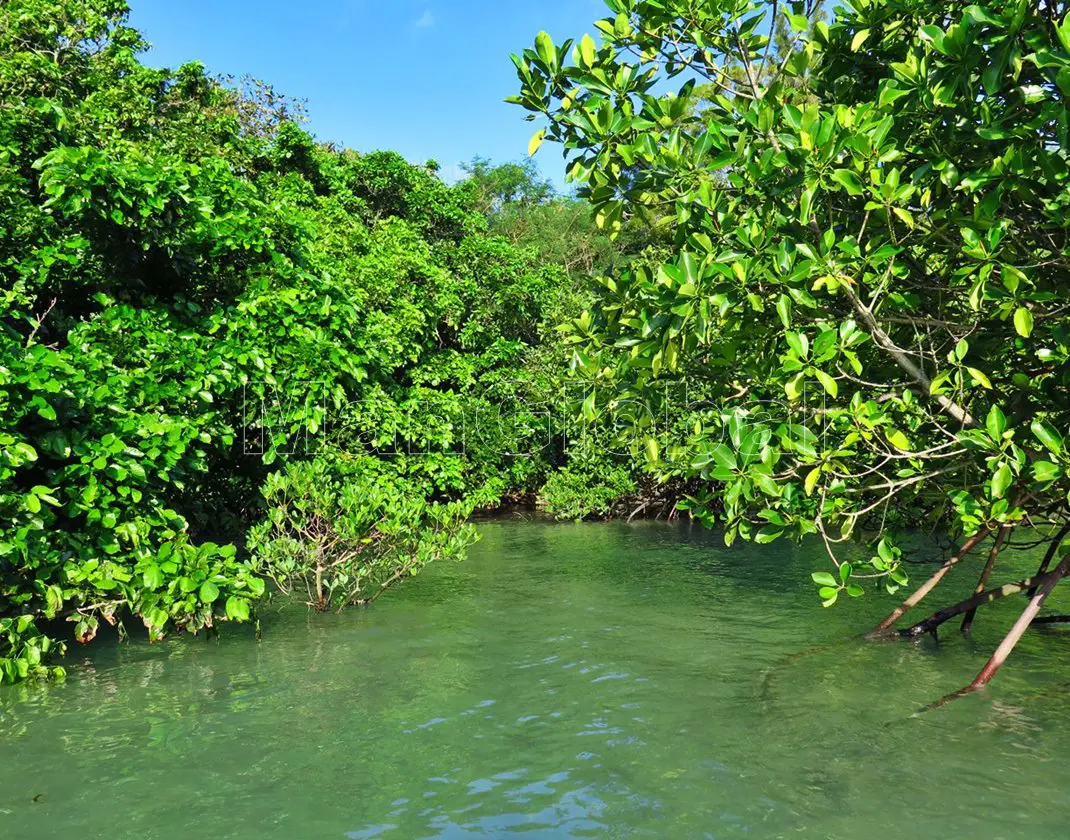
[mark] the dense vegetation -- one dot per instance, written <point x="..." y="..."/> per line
<point x="231" y="354"/>
<point x="869" y="274"/>
<point x="832" y="251"/>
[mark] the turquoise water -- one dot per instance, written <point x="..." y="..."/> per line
<point x="596" y="680"/>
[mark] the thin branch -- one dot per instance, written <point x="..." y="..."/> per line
<point x="40" y="321"/>
<point x="931" y="583"/>
<point x="902" y="358"/>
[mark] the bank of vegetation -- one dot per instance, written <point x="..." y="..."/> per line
<point x="235" y="359"/>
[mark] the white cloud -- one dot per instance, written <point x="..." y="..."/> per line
<point x="425" y="21"/>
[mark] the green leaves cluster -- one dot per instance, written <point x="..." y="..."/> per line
<point x="194" y="293"/>
<point x="339" y="533"/>
<point x="869" y="260"/>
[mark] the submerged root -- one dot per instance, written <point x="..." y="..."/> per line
<point x="1038" y="588"/>
<point x="765" y="681"/>
<point x="1041" y="590"/>
<point x="1020" y="626"/>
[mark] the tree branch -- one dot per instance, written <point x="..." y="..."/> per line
<point x="884" y="341"/>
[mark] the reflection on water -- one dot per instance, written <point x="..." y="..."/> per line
<point x="601" y="680"/>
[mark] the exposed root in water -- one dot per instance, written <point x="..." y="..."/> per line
<point x="1041" y="591"/>
<point x="1020" y="626"/>
<point x="930" y="584"/>
<point x="982" y="582"/>
<point x="1037" y="588"/>
<point x="930" y="624"/>
<point x="1049" y="555"/>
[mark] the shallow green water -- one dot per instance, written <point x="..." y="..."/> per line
<point x="566" y="681"/>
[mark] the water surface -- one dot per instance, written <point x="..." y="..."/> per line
<point x="595" y="680"/>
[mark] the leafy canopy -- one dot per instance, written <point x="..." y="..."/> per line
<point x="870" y="258"/>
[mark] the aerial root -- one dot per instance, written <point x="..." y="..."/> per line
<point x="1041" y="591"/>
<point x="982" y="582"/>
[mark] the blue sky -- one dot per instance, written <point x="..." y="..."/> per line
<point x="423" y="77"/>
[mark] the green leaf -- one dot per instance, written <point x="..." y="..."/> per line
<point x="783" y="308"/>
<point x="937" y="385"/>
<point x="799" y="343"/>
<point x="805" y="201"/>
<point x="1001" y="481"/>
<point x="153" y="577"/>
<point x="1046" y="471"/>
<point x="885" y="551"/>
<point x="793" y="387"/>
<point x="933" y="34"/>
<point x="768" y="534"/>
<point x="766" y="484"/>
<point x="824" y="579"/>
<point x="849" y="181"/>
<point x="47" y="411"/>
<point x="544" y="46"/>
<point x="1023" y="321"/>
<point x="905" y="216"/>
<point x="237" y="608"/>
<point x="827" y="382"/>
<point x="1062" y="30"/>
<point x="1048" y="435"/>
<point x="897" y="439"/>
<point x="724" y="457"/>
<point x="859" y="39"/>
<point x="996" y="424"/>
<point x="209" y="592"/>
<point x="587" y="50"/>
<point x="979" y="378"/>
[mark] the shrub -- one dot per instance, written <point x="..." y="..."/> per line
<point x="339" y="534"/>
<point x="587" y="490"/>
